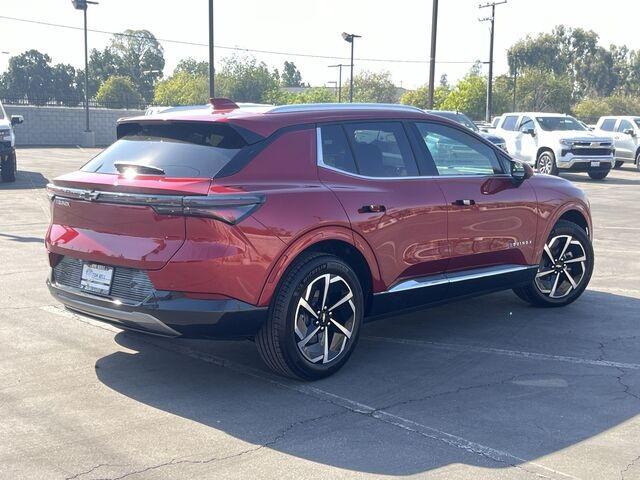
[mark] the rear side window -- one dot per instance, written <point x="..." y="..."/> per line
<point x="381" y="149"/>
<point x="525" y="124"/>
<point x="624" y="125"/>
<point x="458" y="153"/>
<point x="509" y="122"/>
<point x="608" y="125"/>
<point x="336" y="152"/>
<point x="175" y="149"/>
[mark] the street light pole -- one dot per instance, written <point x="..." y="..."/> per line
<point x="82" y="5"/>
<point x="491" y="19"/>
<point x="339" y="67"/>
<point x="350" y="38"/>
<point x="212" y="70"/>
<point x="432" y="58"/>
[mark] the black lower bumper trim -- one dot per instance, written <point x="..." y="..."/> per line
<point x="171" y="314"/>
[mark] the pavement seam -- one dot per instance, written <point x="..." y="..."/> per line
<point x="628" y="467"/>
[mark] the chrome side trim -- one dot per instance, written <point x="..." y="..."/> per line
<point x="455" y="277"/>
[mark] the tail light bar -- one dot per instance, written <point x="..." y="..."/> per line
<point x="229" y="208"/>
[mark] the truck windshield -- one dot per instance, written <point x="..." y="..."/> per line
<point x="552" y="124"/>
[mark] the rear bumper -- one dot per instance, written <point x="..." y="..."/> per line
<point x="168" y="314"/>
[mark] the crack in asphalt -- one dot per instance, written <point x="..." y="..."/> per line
<point x="175" y="461"/>
<point x="628" y="467"/>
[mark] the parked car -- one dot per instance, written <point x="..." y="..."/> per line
<point x="555" y="142"/>
<point x="291" y="225"/>
<point x="462" y="119"/>
<point x="8" y="158"/>
<point x="626" y="138"/>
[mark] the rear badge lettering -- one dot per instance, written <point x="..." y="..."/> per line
<point x="520" y="244"/>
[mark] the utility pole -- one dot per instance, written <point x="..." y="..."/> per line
<point x="212" y="70"/>
<point x="350" y="38"/>
<point x="339" y="67"/>
<point x="83" y="5"/>
<point x="432" y="58"/>
<point x="491" y="19"/>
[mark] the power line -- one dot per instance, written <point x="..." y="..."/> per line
<point x="237" y="49"/>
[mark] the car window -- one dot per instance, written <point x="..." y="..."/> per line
<point x="559" y="123"/>
<point x="457" y="153"/>
<point x="336" y="152"/>
<point x="608" y="125"/>
<point x="495" y="122"/>
<point x="381" y="149"/>
<point x="624" y="125"/>
<point x="509" y="122"/>
<point x="526" y="124"/>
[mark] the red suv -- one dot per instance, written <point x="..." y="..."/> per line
<point x="292" y="225"/>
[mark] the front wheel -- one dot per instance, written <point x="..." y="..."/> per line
<point x="599" y="175"/>
<point x="8" y="168"/>
<point x="546" y="163"/>
<point x="638" y="161"/>
<point x="314" y="320"/>
<point x="565" y="268"/>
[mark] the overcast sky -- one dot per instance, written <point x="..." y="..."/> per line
<point x="398" y="29"/>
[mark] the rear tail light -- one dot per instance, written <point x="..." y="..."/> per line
<point x="229" y="208"/>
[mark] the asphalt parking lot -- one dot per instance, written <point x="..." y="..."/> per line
<point x="480" y="389"/>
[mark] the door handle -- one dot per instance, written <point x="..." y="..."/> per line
<point x="464" y="203"/>
<point x="372" y="209"/>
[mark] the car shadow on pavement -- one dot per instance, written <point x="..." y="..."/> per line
<point x="578" y="178"/>
<point x="25" y="180"/>
<point x="449" y="381"/>
<point x="22" y="238"/>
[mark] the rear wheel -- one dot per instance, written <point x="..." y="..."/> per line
<point x="8" y="168"/>
<point x="315" y="319"/>
<point x="599" y="175"/>
<point x="618" y="164"/>
<point x="546" y="163"/>
<point x="638" y="161"/>
<point x="565" y="268"/>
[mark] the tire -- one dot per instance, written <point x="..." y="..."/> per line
<point x="8" y="169"/>
<point x="552" y="287"/>
<point x="599" y="175"/>
<point x="638" y="161"/>
<point x="618" y="164"/>
<point x="290" y="322"/>
<point x="546" y="163"/>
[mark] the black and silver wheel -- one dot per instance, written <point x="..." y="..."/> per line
<point x="315" y="318"/>
<point x="565" y="268"/>
<point x="618" y="164"/>
<point x="599" y="174"/>
<point x="547" y="163"/>
<point x="8" y="168"/>
<point x="638" y="161"/>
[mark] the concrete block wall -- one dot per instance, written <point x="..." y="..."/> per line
<point x="63" y="126"/>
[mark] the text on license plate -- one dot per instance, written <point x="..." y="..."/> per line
<point x="595" y="164"/>
<point x="96" y="278"/>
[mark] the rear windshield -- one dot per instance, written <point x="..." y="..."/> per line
<point x="178" y="149"/>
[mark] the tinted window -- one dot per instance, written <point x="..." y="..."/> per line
<point x="624" y="125"/>
<point x="564" y="123"/>
<point x="509" y="122"/>
<point x="608" y="125"/>
<point x="336" y="152"/>
<point x="381" y="149"/>
<point x="179" y="149"/>
<point x="460" y="118"/>
<point x="457" y="153"/>
<point x="526" y="124"/>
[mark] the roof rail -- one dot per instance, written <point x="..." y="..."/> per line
<point x="305" y="107"/>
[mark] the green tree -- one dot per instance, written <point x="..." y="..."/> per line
<point x="315" y="95"/>
<point x="468" y="96"/>
<point x="30" y="76"/>
<point x="63" y="85"/>
<point x="102" y="65"/>
<point x="193" y="67"/>
<point x="244" y="79"/>
<point x="182" y="88"/>
<point x="140" y="57"/>
<point x="544" y="92"/>
<point x="371" y="87"/>
<point x="291" y="76"/>
<point x="119" y="92"/>
<point x="420" y="97"/>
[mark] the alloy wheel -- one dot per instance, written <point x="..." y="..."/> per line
<point x="545" y="164"/>
<point x="325" y="318"/>
<point x="563" y="266"/>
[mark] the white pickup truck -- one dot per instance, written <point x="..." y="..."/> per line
<point x="626" y="138"/>
<point x="8" y="163"/>
<point x="553" y="142"/>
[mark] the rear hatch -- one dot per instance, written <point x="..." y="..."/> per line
<point x="125" y="206"/>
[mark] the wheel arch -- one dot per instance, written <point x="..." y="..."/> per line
<point x="339" y="241"/>
<point x="544" y="149"/>
<point x="574" y="212"/>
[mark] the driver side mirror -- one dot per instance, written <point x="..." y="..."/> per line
<point x="520" y="172"/>
<point x="630" y="131"/>
<point x="530" y="131"/>
<point x="16" y="120"/>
